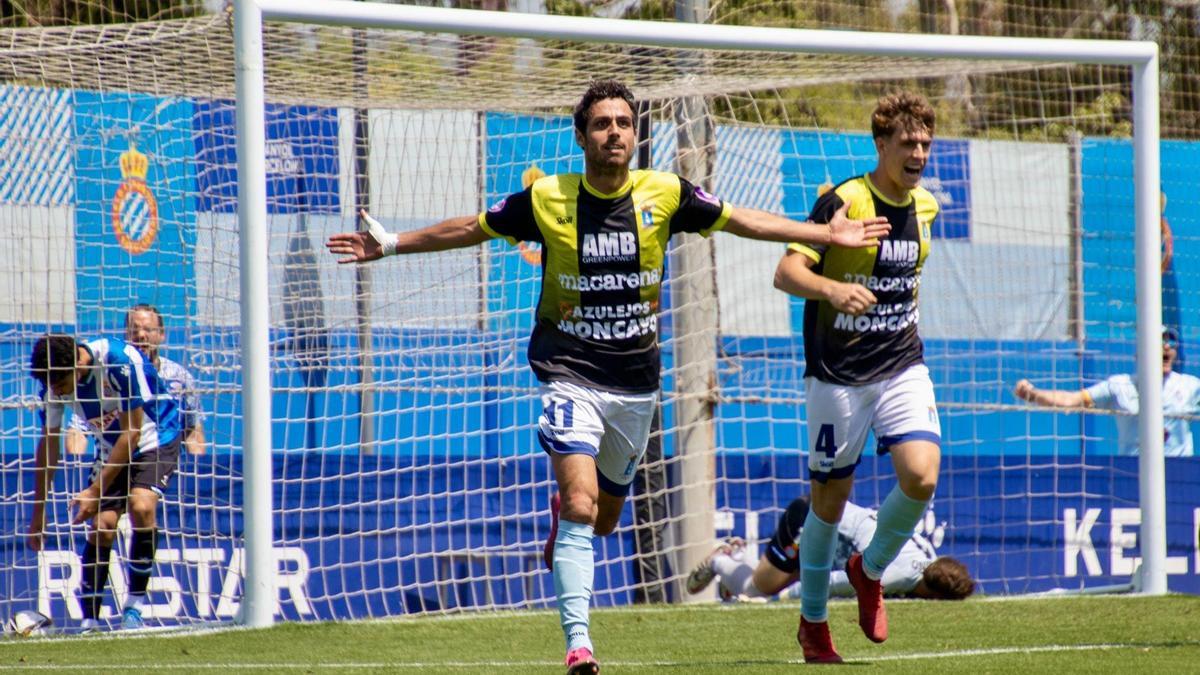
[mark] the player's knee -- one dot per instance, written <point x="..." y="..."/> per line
<point x="919" y="486"/>
<point x="769" y="580"/>
<point x="578" y="507"/>
<point x="828" y="500"/>
<point x="105" y="530"/>
<point x="103" y="538"/>
<point x="142" y="511"/>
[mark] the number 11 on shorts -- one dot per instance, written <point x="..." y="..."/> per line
<point x="561" y="414"/>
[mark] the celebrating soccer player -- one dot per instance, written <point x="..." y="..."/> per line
<point x="594" y="346"/>
<point x="865" y="367"/>
<point x="917" y="572"/>
<point x="136" y="425"/>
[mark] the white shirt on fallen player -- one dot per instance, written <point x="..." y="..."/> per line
<point x="854" y="534"/>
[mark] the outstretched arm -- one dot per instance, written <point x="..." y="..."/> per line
<point x="376" y="242"/>
<point x="1025" y="391"/>
<point x="840" y="231"/>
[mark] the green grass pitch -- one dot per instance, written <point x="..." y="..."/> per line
<point x="1058" y="635"/>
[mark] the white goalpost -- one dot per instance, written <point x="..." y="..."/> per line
<point x="371" y="430"/>
<point x="1141" y="57"/>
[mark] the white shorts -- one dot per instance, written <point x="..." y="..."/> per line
<point x="612" y="428"/>
<point x="898" y="409"/>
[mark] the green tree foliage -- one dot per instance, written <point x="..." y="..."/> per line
<point x="32" y="13"/>
<point x="1041" y="103"/>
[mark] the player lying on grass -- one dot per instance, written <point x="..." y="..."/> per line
<point x="594" y="347"/>
<point x="917" y="572"/>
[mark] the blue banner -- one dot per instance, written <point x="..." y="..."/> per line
<point x="948" y="178"/>
<point x="1110" y="303"/>
<point x="301" y="162"/>
<point x="135" y="216"/>
<point x="466" y="537"/>
<point x="521" y="149"/>
<point x="812" y="159"/>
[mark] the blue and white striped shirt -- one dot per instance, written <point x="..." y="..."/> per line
<point x="121" y="379"/>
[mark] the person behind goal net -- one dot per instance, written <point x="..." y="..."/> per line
<point x="594" y="347"/>
<point x="917" y="572"/>
<point x="145" y="329"/>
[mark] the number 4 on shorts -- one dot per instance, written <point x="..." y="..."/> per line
<point x="825" y="443"/>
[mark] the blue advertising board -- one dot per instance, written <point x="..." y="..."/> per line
<point x="301" y="161"/>
<point x="541" y="146"/>
<point x="345" y="551"/>
<point x="135" y="207"/>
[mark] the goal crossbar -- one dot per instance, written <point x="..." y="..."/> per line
<point x="249" y="15"/>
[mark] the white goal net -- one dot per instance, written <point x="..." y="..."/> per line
<point x="407" y="475"/>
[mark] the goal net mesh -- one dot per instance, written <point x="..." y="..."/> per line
<point x="407" y="473"/>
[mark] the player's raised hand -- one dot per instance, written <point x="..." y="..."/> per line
<point x="1024" y="390"/>
<point x="85" y="504"/>
<point x="852" y="299"/>
<point x="856" y="233"/>
<point x="373" y="244"/>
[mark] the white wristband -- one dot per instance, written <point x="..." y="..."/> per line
<point x="387" y="241"/>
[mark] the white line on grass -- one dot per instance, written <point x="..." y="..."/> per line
<point x="361" y="665"/>
<point x="532" y="614"/>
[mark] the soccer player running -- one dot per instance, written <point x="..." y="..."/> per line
<point x="917" y="572"/>
<point x="594" y="346"/>
<point x="1180" y="396"/>
<point x="144" y="329"/>
<point x="136" y="425"/>
<point x="865" y="367"/>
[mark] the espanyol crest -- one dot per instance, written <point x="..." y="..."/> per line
<point x="134" y="209"/>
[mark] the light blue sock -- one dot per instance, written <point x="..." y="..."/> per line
<point x="897" y="517"/>
<point x="574" y="567"/>
<point x="817" y="545"/>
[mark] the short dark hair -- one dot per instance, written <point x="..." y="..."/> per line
<point x="600" y="90"/>
<point x="948" y="579"/>
<point x="143" y="307"/>
<point x="902" y="111"/>
<point x="53" y="355"/>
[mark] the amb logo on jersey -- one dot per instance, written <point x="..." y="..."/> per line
<point x="134" y="208"/>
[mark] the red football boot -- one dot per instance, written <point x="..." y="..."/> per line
<point x="817" y="644"/>
<point x="872" y="616"/>
<point x="581" y="662"/>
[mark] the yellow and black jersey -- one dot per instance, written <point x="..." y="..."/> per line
<point x="854" y="350"/>
<point x="602" y="266"/>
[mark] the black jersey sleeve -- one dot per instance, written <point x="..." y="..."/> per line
<point x="512" y="218"/>
<point x="825" y="206"/>
<point x="698" y="211"/>
<point x="822" y="212"/>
